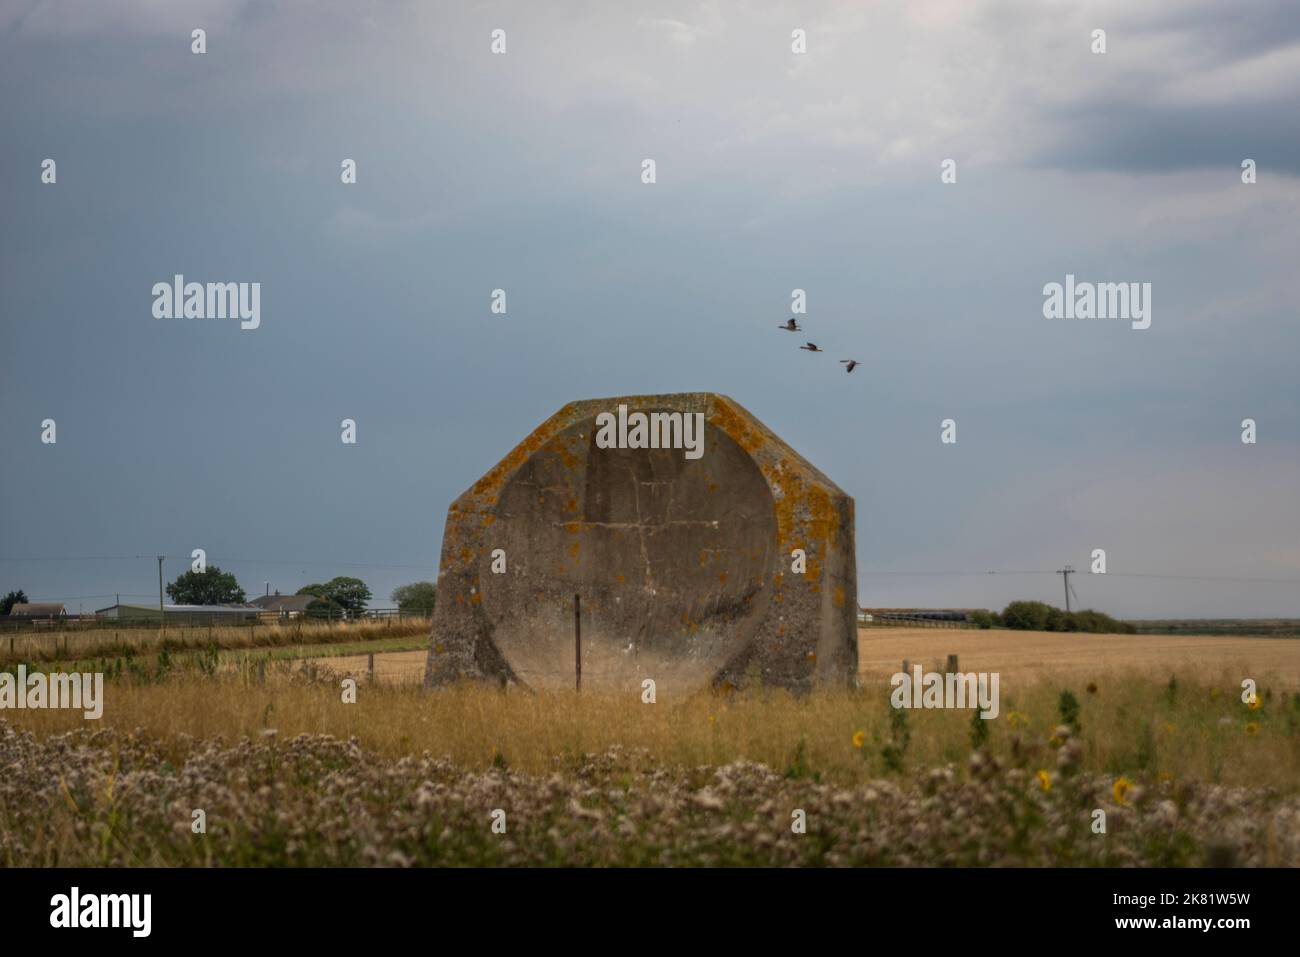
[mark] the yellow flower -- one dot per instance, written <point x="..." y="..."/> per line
<point x="1168" y="727"/>
<point x="1017" y="718"/>
<point x="1044" y="780"/>
<point x="1121" y="789"/>
<point x="1164" y="777"/>
<point x="859" y="738"/>
<point x="1253" y="702"/>
<point x="1252" y="728"/>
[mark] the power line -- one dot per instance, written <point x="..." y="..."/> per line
<point x="1199" y="578"/>
<point x="881" y="574"/>
<point x="866" y="573"/>
<point x="188" y="558"/>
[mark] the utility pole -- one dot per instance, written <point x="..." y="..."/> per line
<point x="162" y="616"/>
<point x="1065" y="574"/>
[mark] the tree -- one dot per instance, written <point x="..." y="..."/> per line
<point x="347" y="593"/>
<point x="211" y="586"/>
<point x="18" y="597"/>
<point x="417" y="598"/>
<point x="1027" y="615"/>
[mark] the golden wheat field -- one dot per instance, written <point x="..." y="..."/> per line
<point x="1026" y="657"/>
<point x="1021" y="657"/>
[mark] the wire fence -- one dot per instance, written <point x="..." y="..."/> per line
<point x="912" y="621"/>
<point x="250" y="618"/>
<point x="74" y="638"/>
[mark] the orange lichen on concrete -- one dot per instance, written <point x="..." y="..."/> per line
<point x="726" y="418"/>
<point x="517" y="456"/>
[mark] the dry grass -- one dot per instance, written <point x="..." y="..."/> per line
<point x="1198" y="730"/>
<point x="290" y="774"/>
<point x="100" y="642"/>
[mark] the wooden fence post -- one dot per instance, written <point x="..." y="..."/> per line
<point x="952" y="665"/>
<point x="372" y="667"/>
<point x="577" y="641"/>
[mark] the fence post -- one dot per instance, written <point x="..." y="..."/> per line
<point x="577" y="641"/>
<point x="372" y="667"/>
<point x="951" y="667"/>
<point x="261" y="671"/>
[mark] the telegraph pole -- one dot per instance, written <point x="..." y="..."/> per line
<point x="1065" y="574"/>
<point x="162" y="616"/>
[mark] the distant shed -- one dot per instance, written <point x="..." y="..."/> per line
<point x="181" y="614"/>
<point x="38" y="610"/>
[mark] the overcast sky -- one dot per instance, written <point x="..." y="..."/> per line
<point x="775" y="171"/>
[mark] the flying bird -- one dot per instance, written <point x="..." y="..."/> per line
<point x="850" y="364"/>
<point x="812" y="347"/>
<point x="790" y="325"/>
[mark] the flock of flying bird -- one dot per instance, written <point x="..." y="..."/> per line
<point x="790" y="325"/>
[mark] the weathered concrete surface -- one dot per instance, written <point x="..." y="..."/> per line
<point x="683" y="565"/>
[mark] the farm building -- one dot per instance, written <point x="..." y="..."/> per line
<point x="286" y="606"/>
<point x="38" y="611"/>
<point x="181" y="614"/>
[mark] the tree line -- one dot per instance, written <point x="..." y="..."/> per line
<point x="340" y="595"/>
<point x="1040" y="616"/>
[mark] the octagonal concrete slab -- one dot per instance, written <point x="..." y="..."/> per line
<point x="682" y="555"/>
